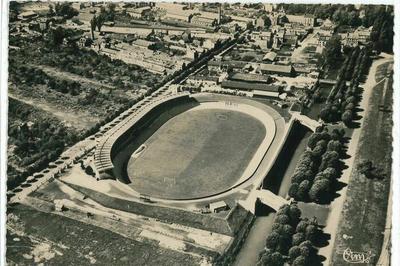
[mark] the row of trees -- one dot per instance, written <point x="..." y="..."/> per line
<point x="318" y="167"/>
<point x="332" y="53"/>
<point x="106" y="14"/>
<point x="342" y="102"/>
<point x="382" y="31"/>
<point x="346" y="15"/>
<point x="291" y="240"/>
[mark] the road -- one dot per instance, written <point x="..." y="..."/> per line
<point x="337" y="205"/>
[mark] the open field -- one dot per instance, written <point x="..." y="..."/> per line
<point x="198" y="153"/>
<point x="364" y="214"/>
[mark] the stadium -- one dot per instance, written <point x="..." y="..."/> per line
<point x="191" y="147"/>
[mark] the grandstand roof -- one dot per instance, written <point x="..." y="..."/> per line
<point x="240" y="85"/>
<point x="249" y="77"/>
<point x="276" y="68"/>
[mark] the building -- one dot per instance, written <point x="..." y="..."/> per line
<point x="198" y="80"/>
<point x="218" y="206"/>
<point x="142" y="43"/>
<point x="271" y="90"/>
<point x="263" y="39"/>
<point x="208" y="44"/>
<point x="176" y="17"/>
<point x="203" y="21"/>
<point x="138" y="12"/>
<point x="272" y="69"/>
<point x="360" y="36"/>
<point x="27" y="15"/>
<point x="260" y="22"/>
<point x="270" y="56"/>
<point x="173" y="11"/>
<point x="322" y="38"/>
<point x="234" y="64"/>
<point x="269" y="7"/>
<point x="306" y="20"/>
<point x="251" y="78"/>
<point x="265" y="94"/>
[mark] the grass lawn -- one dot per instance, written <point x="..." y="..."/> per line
<point x="364" y="213"/>
<point x="32" y="239"/>
<point x="382" y="70"/>
<point x="195" y="154"/>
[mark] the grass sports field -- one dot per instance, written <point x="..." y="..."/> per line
<point x="196" y="153"/>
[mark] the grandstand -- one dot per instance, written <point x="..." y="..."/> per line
<point x="103" y="154"/>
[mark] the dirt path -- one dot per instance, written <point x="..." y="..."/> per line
<point x="69" y="118"/>
<point x="70" y="76"/>
<point x="337" y="205"/>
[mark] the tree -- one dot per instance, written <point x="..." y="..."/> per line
<point x="265" y="258"/>
<point x="334" y="145"/>
<point x="277" y="259"/>
<point x="294" y="214"/>
<point x="51" y="11"/>
<point x="287" y="230"/>
<point x="304" y="187"/>
<point x="88" y="42"/>
<point x="294" y="252"/>
<point x="319" y="189"/>
<point x="65" y="10"/>
<point x="313" y="140"/>
<point x="325" y="113"/>
<point x="277" y="227"/>
<point x="311" y="233"/>
<point x="100" y="21"/>
<point x="57" y="36"/>
<point x="93" y="24"/>
<point x="329" y="159"/>
<point x="300" y="261"/>
<point x="293" y="190"/>
<point x="318" y="151"/>
<point x="282" y="219"/>
<point x="366" y="168"/>
<point x="272" y="241"/>
<point x="306" y="243"/>
<point x="298" y="238"/>
<point x="330" y="173"/>
<point x="347" y="117"/>
<point x="301" y="226"/>
<point x="332" y="52"/>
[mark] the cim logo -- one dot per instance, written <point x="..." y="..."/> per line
<point x="357" y="257"/>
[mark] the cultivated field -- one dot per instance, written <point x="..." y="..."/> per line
<point x="196" y="154"/>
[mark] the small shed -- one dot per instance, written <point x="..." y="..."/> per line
<point x="218" y="206"/>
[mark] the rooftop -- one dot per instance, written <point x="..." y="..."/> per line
<point x="276" y="68"/>
<point x="249" y="77"/>
<point x="241" y="85"/>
